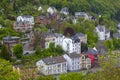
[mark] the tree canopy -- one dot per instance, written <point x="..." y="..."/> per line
<point x="110" y="68"/>
<point x="6" y="71"/>
<point x="18" y="50"/>
<point x="5" y="53"/>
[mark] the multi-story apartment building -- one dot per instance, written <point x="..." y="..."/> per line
<point x="52" y="65"/>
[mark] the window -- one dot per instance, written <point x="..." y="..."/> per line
<point x="58" y="66"/>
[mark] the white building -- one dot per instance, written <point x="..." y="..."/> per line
<point x="73" y="61"/>
<point x="69" y="45"/>
<point x="53" y="38"/>
<point x="82" y="37"/>
<point x="64" y="11"/>
<point x="26" y="19"/>
<point x="52" y="65"/>
<point x="49" y="38"/>
<point x="118" y="27"/>
<point x="77" y="62"/>
<point x="82" y="15"/>
<point x="51" y="10"/>
<point x="103" y="33"/>
<point x="40" y="8"/>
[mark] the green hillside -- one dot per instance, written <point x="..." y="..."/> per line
<point x="109" y="8"/>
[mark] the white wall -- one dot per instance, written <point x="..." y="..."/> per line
<point x="69" y="61"/>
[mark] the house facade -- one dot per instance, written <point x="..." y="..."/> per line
<point x="73" y="61"/>
<point x="118" y="27"/>
<point x="64" y="11"/>
<point x="26" y="18"/>
<point x="52" y="65"/>
<point x="82" y="15"/>
<point x="103" y="33"/>
<point x="49" y="38"/>
<point x="42" y="20"/>
<point x="69" y="45"/>
<point x="77" y="62"/>
<point x="51" y="10"/>
<point x="24" y="23"/>
<point x="40" y="8"/>
<point x="22" y="27"/>
<point x="82" y="37"/>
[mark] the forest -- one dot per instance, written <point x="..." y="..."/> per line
<point x="9" y="9"/>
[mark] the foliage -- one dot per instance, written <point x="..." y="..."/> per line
<point x="92" y="39"/>
<point x="18" y="50"/>
<point x="5" y="52"/>
<point x="6" y="72"/>
<point x="51" y="51"/>
<point x="38" y="51"/>
<point x="113" y="44"/>
<point x="7" y="31"/>
<point x="110" y="69"/>
<point x="72" y="76"/>
<point x="32" y="57"/>
<point x="46" y="78"/>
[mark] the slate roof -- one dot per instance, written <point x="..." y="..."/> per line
<point x="10" y="37"/>
<point x="102" y="50"/>
<point x="75" y="38"/>
<point x="79" y="34"/>
<point x="52" y="34"/>
<point x="41" y="17"/>
<point x="65" y="9"/>
<point x="118" y="26"/>
<point x="92" y="51"/>
<point x="116" y="35"/>
<point x="54" y="60"/>
<point x="74" y="55"/>
<point x="101" y="28"/>
<point x="27" y="16"/>
<point x="80" y="13"/>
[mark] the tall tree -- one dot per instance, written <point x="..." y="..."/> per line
<point x="5" y="53"/>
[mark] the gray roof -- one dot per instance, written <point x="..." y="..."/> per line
<point x="52" y="35"/>
<point x="75" y="38"/>
<point x="79" y="34"/>
<point x="102" y="49"/>
<point x="74" y="55"/>
<point x="92" y="51"/>
<point x="106" y="31"/>
<point x="54" y="60"/>
<point x="116" y="35"/>
<point x="27" y="16"/>
<point x="101" y="28"/>
<point x="65" y="9"/>
<point x="80" y="13"/>
<point x="41" y="17"/>
<point x="10" y="37"/>
<point x="48" y="34"/>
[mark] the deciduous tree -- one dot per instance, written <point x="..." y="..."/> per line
<point x="18" y="50"/>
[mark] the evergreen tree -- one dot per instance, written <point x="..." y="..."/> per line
<point x="5" y="53"/>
